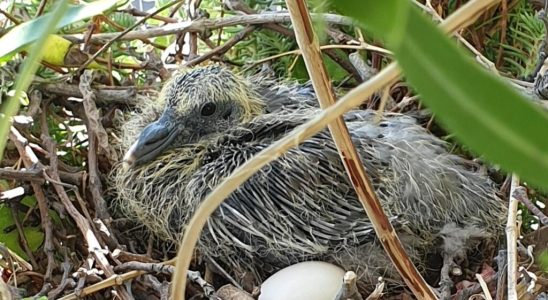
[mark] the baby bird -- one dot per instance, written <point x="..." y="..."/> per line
<point x="302" y="206"/>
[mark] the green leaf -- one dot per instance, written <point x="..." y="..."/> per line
<point x="483" y="111"/>
<point x="29" y="68"/>
<point x="543" y="260"/>
<point x="26" y="33"/>
<point x="33" y="235"/>
<point x="384" y="18"/>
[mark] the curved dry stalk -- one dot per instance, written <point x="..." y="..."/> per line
<point x="362" y="46"/>
<point x="462" y="17"/>
<point x="310" y="48"/>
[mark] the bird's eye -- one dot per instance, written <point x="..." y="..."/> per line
<point x="208" y="109"/>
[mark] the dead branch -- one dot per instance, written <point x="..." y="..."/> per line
<point x="98" y="144"/>
<point x="83" y="224"/>
<point x="310" y="48"/>
<point x="30" y="161"/>
<point x="103" y="95"/>
<point x="220" y="50"/>
<point x="202" y="25"/>
<point x="521" y="195"/>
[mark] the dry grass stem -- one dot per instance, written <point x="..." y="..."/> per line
<point x="309" y="45"/>
<point x="461" y="18"/>
<point x="511" y="240"/>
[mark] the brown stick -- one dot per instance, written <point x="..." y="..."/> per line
<point x="521" y="195"/>
<point x="512" y="230"/>
<point x="223" y="48"/>
<point x="200" y="25"/>
<point x="34" y="175"/>
<point x="30" y="160"/>
<point x="310" y="48"/>
<point x="83" y="224"/>
<point x="104" y="96"/>
<point x="22" y="237"/>
<point x="94" y="127"/>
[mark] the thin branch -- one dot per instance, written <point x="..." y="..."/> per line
<point x="118" y="36"/>
<point x="521" y="195"/>
<point x="94" y="247"/>
<point x="34" y="175"/>
<point x="104" y="95"/>
<point x="223" y="48"/>
<point x="30" y="160"/>
<point x="201" y="25"/>
<point x="98" y="141"/>
<point x="463" y="16"/>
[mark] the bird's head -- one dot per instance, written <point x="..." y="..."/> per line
<point x="199" y="104"/>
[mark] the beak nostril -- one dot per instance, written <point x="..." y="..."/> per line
<point x="154" y="133"/>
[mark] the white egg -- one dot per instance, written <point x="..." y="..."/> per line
<point x="311" y="280"/>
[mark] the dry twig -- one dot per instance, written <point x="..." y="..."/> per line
<point x="201" y="25"/>
<point x="511" y="240"/>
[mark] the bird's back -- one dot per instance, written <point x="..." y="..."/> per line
<point x="302" y="206"/>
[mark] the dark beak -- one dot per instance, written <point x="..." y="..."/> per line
<point x="154" y="140"/>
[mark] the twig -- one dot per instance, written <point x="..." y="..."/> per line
<point x="119" y="279"/>
<point x="361" y="66"/>
<point x="511" y="240"/>
<point x="30" y="160"/>
<point x="159" y="268"/>
<point x="201" y="25"/>
<point x="463" y="16"/>
<point x="138" y="13"/>
<point x="349" y="290"/>
<point x="192" y="13"/>
<point x="125" y="256"/>
<point x="83" y="224"/>
<point x="484" y="287"/>
<point x="113" y="280"/>
<point x="22" y="237"/>
<point x="34" y="175"/>
<point x="41" y="8"/>
<point x="521" y="195"/>
<point x="104" y="95"/>
<point x="64" y="280"/>
<point x="325" y="47"/>
<point x="118" y="36"/>
<point x="98" y="143"/>
<point x="221" y="49"/>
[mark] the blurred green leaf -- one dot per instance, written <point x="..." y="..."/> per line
<point x="483" y="111"/>
<point x="30" y="66"/>
<point x="26" y="33"/>
<point x="8" y="232"/>
<point x="543" y="260"/>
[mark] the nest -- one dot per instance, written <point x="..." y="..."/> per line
<point x="302" y="206"/>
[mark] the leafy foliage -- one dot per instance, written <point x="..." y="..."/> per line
<point x="524" y="37"/>
<point x="9" y="235"/>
